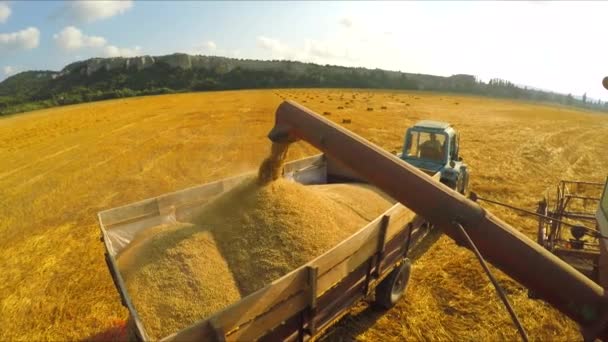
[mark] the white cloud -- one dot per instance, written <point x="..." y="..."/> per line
<point x="5" y="12"/>
<point x="211" y="46"/>
<point x="90" y="11"/>
<point x="324" y="50"/>
<point x="8" y="70"/>
<point x="71" y="38"/>
<point x="274" y="45"/>
<point x="315" y="51"/>
<point x="346" y="22"/>
<point x="28" y="38"/>
<point x="113" y="51"/>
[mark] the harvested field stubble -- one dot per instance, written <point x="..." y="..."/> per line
<point x="61" y="166"/>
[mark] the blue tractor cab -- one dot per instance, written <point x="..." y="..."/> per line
<point x="432" y="147"/>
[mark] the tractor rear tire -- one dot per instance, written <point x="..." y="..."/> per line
<point x="393" y="287"/>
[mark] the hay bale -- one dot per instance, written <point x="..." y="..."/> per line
<point x="369" y="109"/>
<point x="326" y="113"/>
<point x="383" y="107"/>
<point x="346" y="121"/>
<point x="340" y="107"/>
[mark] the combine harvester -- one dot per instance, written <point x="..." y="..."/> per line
<point x="376" y="260"/>
<point x="568" y="228"/>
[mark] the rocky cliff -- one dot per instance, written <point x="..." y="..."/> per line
<point x="176" y="60"/>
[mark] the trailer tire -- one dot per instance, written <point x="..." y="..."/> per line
<point x="393" y="287"/>
<point x="131" y="333"/>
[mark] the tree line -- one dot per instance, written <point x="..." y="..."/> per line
<point x="34" y="90"/>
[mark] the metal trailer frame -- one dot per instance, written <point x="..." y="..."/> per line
<point x="581" y="254"/>
<point x="302" y="304"/>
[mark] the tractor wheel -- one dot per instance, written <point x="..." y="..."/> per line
<point x="449" y="184"/>
<point x="393" y="287"/>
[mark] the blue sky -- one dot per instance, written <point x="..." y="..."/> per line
<point x="559" y="46"/>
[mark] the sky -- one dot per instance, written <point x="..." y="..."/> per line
<point x="559" y="46"/>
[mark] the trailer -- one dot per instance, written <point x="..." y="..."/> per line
<point x="373" y="263"/>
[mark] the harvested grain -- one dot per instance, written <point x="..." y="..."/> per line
<point x="272" y="167"/>
<point x="265" y="232"/>
<point x="242" y="241"/>
<point x="362" y="199"/>
<point x="176" y="276"/>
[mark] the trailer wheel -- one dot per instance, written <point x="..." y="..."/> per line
<point x="392" y="288"/>
<point x="131" y="331"/>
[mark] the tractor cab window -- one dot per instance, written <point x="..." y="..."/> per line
<point x="425" y="145"/>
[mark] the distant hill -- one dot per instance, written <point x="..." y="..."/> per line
<point x="106" y="78"/>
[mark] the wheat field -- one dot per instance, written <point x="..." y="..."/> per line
<point x="60" y="166"/>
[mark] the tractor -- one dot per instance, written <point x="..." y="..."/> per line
<point x="432" y="147"/>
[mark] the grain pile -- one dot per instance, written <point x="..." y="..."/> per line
<point x="244" y="239"/>
<point x="272" y="167"/>
<point x="176" y="275"/>
<point x="266" y="231"/>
